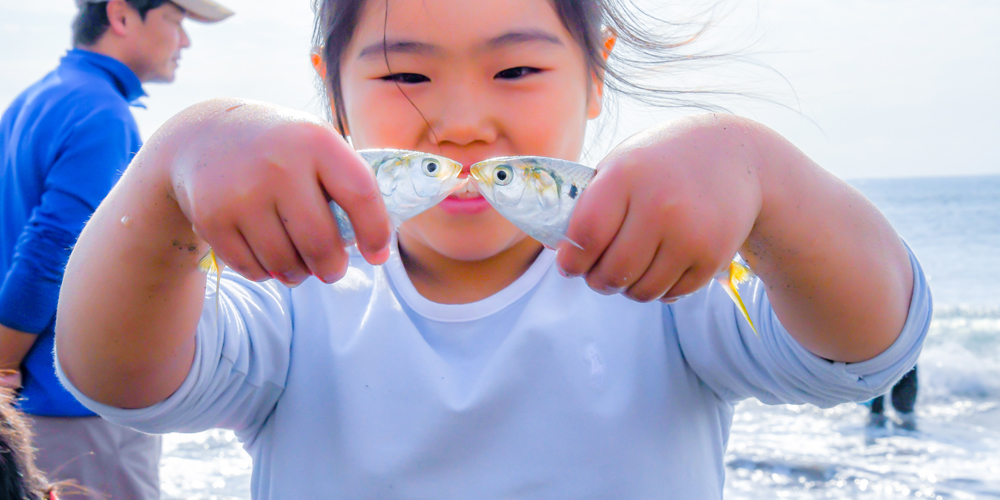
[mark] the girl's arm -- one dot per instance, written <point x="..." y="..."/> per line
<point x="672" y="205"/>
<point x="249" y="178"/>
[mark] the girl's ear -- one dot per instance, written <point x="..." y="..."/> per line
<point x="594" y="104"/>
<point x="319" y="65"/>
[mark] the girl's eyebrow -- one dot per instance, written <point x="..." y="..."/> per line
<point x="398" y="46"/>
<point x="413" y="47"/>
<point x="516" y="37"/>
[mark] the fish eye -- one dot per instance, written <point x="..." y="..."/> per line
<point x="503" y="175"/>
<point x="431" y="167"/>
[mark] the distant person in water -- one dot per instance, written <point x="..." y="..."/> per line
<point x="64" y="142"/>
<point x="904" y="398"/>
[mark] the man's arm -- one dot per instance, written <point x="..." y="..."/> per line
<point x="14" y="345"/>
<point x="86" y="167"/>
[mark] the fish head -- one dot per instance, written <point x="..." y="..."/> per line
<point x="500" y="180"/>
<point x="522" y="186"/>
<point x="432" y="175"/>
<point x="412" y="181"/>
<point x="535" y="193"/>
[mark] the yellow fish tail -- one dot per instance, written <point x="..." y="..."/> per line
<point x="738" y="273"/>
<point x="210" y="263"/>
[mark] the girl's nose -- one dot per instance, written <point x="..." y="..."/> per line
<point x="466" y="117"/>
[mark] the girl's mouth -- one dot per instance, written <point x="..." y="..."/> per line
<point x="465" y="201"/>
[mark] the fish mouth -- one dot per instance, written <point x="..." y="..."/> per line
<point x="476" y="172"/>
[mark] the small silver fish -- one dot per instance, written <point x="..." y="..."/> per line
<point x="538" y="195"/>
<point x="410" y="182"/>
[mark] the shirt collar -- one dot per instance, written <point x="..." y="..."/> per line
<point x="125" y="80"/>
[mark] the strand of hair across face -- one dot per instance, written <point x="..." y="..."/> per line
<point x="385" y="54"/>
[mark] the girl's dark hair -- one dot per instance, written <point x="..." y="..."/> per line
<point x="19" y="478"/>
<point x="646" y="45"/>
<point x="92" y="20"/>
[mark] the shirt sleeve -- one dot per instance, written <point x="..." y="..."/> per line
<point x="241" y="362"/>
<point x="722" y="349"/>
<point x="87" y="164"/>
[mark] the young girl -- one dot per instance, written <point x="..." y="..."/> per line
<point x="459" y="358"/>
<point x="20" y="479"/>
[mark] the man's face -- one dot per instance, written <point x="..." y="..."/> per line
<point x="157" y="42"/>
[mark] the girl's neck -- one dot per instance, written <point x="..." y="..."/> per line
<point x="450" y="281"/>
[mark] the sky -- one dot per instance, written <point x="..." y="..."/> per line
<point x="867" y="88"/>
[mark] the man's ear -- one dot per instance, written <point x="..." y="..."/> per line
<point x="120" y="17"/>
<point x="594" y="102"/>
<point x="319" y="65"/>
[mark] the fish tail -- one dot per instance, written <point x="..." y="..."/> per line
<point x="210" y="263"/>
<point x="738" y="273"/>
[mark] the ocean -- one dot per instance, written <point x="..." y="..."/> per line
<point x="803" y="452"/>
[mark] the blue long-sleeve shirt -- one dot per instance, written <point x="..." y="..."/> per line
<point x="64" y="143"/>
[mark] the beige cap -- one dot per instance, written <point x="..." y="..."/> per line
<point x="205" y="11"/>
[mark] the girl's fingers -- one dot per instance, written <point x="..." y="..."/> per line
<point x="235" y="252"/>
<point x="596" y="220"/>
<point x="627" y="257"/>
<point x="273" y="249"/>
<point x="693" y="280"/>
<point x="659" y="277"/>
<point x="348" y="179"/>
<point x="313" y="231"/>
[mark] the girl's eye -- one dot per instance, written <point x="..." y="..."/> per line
<point x="409" y="78"/>
<point x="515" y="73"/>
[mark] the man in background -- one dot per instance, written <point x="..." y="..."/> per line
<point x="64" y="142"/>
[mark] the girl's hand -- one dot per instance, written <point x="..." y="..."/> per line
<point x="670" y="207"/>
<point x="255" y="179"/>
<point x="668" y="210"/>
<point x="10" y="379"/>
<point x="251" y="180"/>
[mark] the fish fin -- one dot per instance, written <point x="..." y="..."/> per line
<point x="738" y="273"/>
<point x="395" y="220"/>
<point x="571" y="242"/>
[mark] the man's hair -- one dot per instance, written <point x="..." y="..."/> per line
<point x="92" y="20"/>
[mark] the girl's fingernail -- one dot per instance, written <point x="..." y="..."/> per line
<point x="563" y="273"/>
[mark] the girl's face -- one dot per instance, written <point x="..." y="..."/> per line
<point x="490" y="77"/>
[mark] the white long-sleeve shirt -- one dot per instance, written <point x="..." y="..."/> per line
<point x="365" y="389"/>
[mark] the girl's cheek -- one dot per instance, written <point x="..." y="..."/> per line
<point x="379" y="119"/>
<point x="554" y="122"/>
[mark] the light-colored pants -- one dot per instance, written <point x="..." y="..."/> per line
<point x="110" y="461"/>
